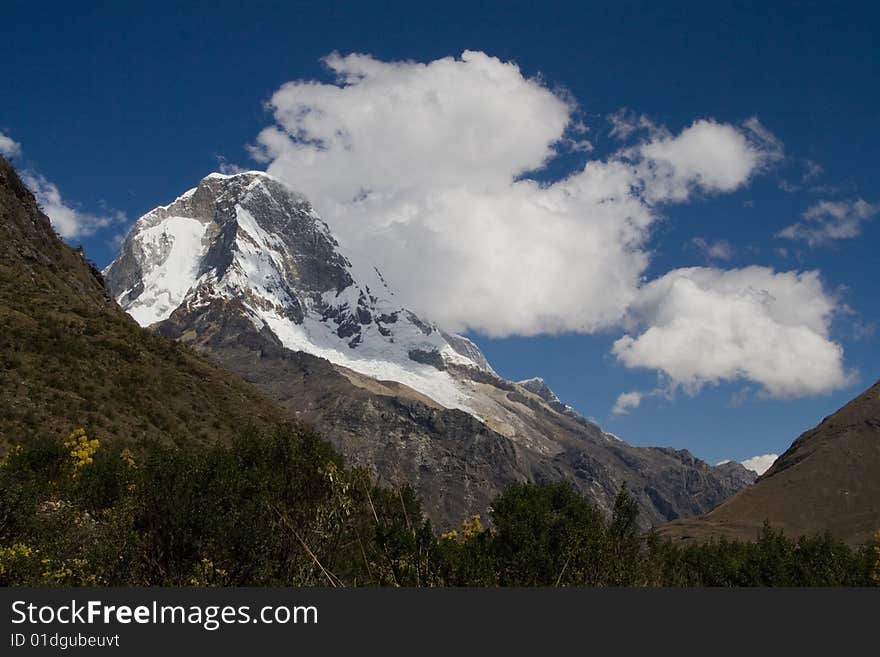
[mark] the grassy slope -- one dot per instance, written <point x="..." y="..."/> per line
<point x="829" y="479"/>
<point x="69" y="356"/>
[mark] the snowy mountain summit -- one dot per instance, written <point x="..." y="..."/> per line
<point x="249" y="238"/>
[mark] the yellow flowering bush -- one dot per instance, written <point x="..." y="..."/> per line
<point x="205" y="573"/>
<point x="15" y="450"/>
<point x="341" y="500"/>
<point x="127" y="457"/>
<point x="472" y="527"/>
<point x="82" y="449"/>
<point x="10" y="556"/>
<point x="76" y="572"/>
<point x="469" y="529"/>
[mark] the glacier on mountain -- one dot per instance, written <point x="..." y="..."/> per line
<point x="248" y="237"/>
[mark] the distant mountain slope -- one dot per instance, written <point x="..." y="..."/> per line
<point x="829" y="479"/>
<point x="70" y="357"/>
<point x="242" y="268"/>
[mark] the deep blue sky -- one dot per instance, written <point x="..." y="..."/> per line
<point x="126" y="105"/>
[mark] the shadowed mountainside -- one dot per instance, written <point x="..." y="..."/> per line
<point x="829" y="479"/>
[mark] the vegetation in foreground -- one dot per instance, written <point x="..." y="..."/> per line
<point x="281" y="509"/>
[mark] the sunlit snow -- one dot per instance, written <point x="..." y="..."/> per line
<point x="170" y="252"/>
<point x="175" y="245"/>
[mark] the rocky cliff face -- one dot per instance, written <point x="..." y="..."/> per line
<point x="242" y="268"/>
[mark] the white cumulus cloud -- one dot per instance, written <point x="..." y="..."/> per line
<point x="432" y="172"/>
<point x="427" y="167"/>
<point x="827" y="221"/>
<point x="704" y="326"/>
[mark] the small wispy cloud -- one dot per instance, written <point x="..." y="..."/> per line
<point x="863" y="330"/>
<point x="713" y="250"/>
<point x="69" y="221"/>
<point x="631" y="400"/>
<point x="229" y="168"/>
<point x="812" y="170"/>
<point x="8" y="146"/>
<point x="806" y="178"/>
<point x="625" y="123"/>
<point x="827" y="221"/>
<point x="627" y="401"/>
<point x="741" y="396"/>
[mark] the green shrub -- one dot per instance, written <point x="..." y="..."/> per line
<point x="282" y="509"/>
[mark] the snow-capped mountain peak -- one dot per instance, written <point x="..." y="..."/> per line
<point x="249" y="238"/>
